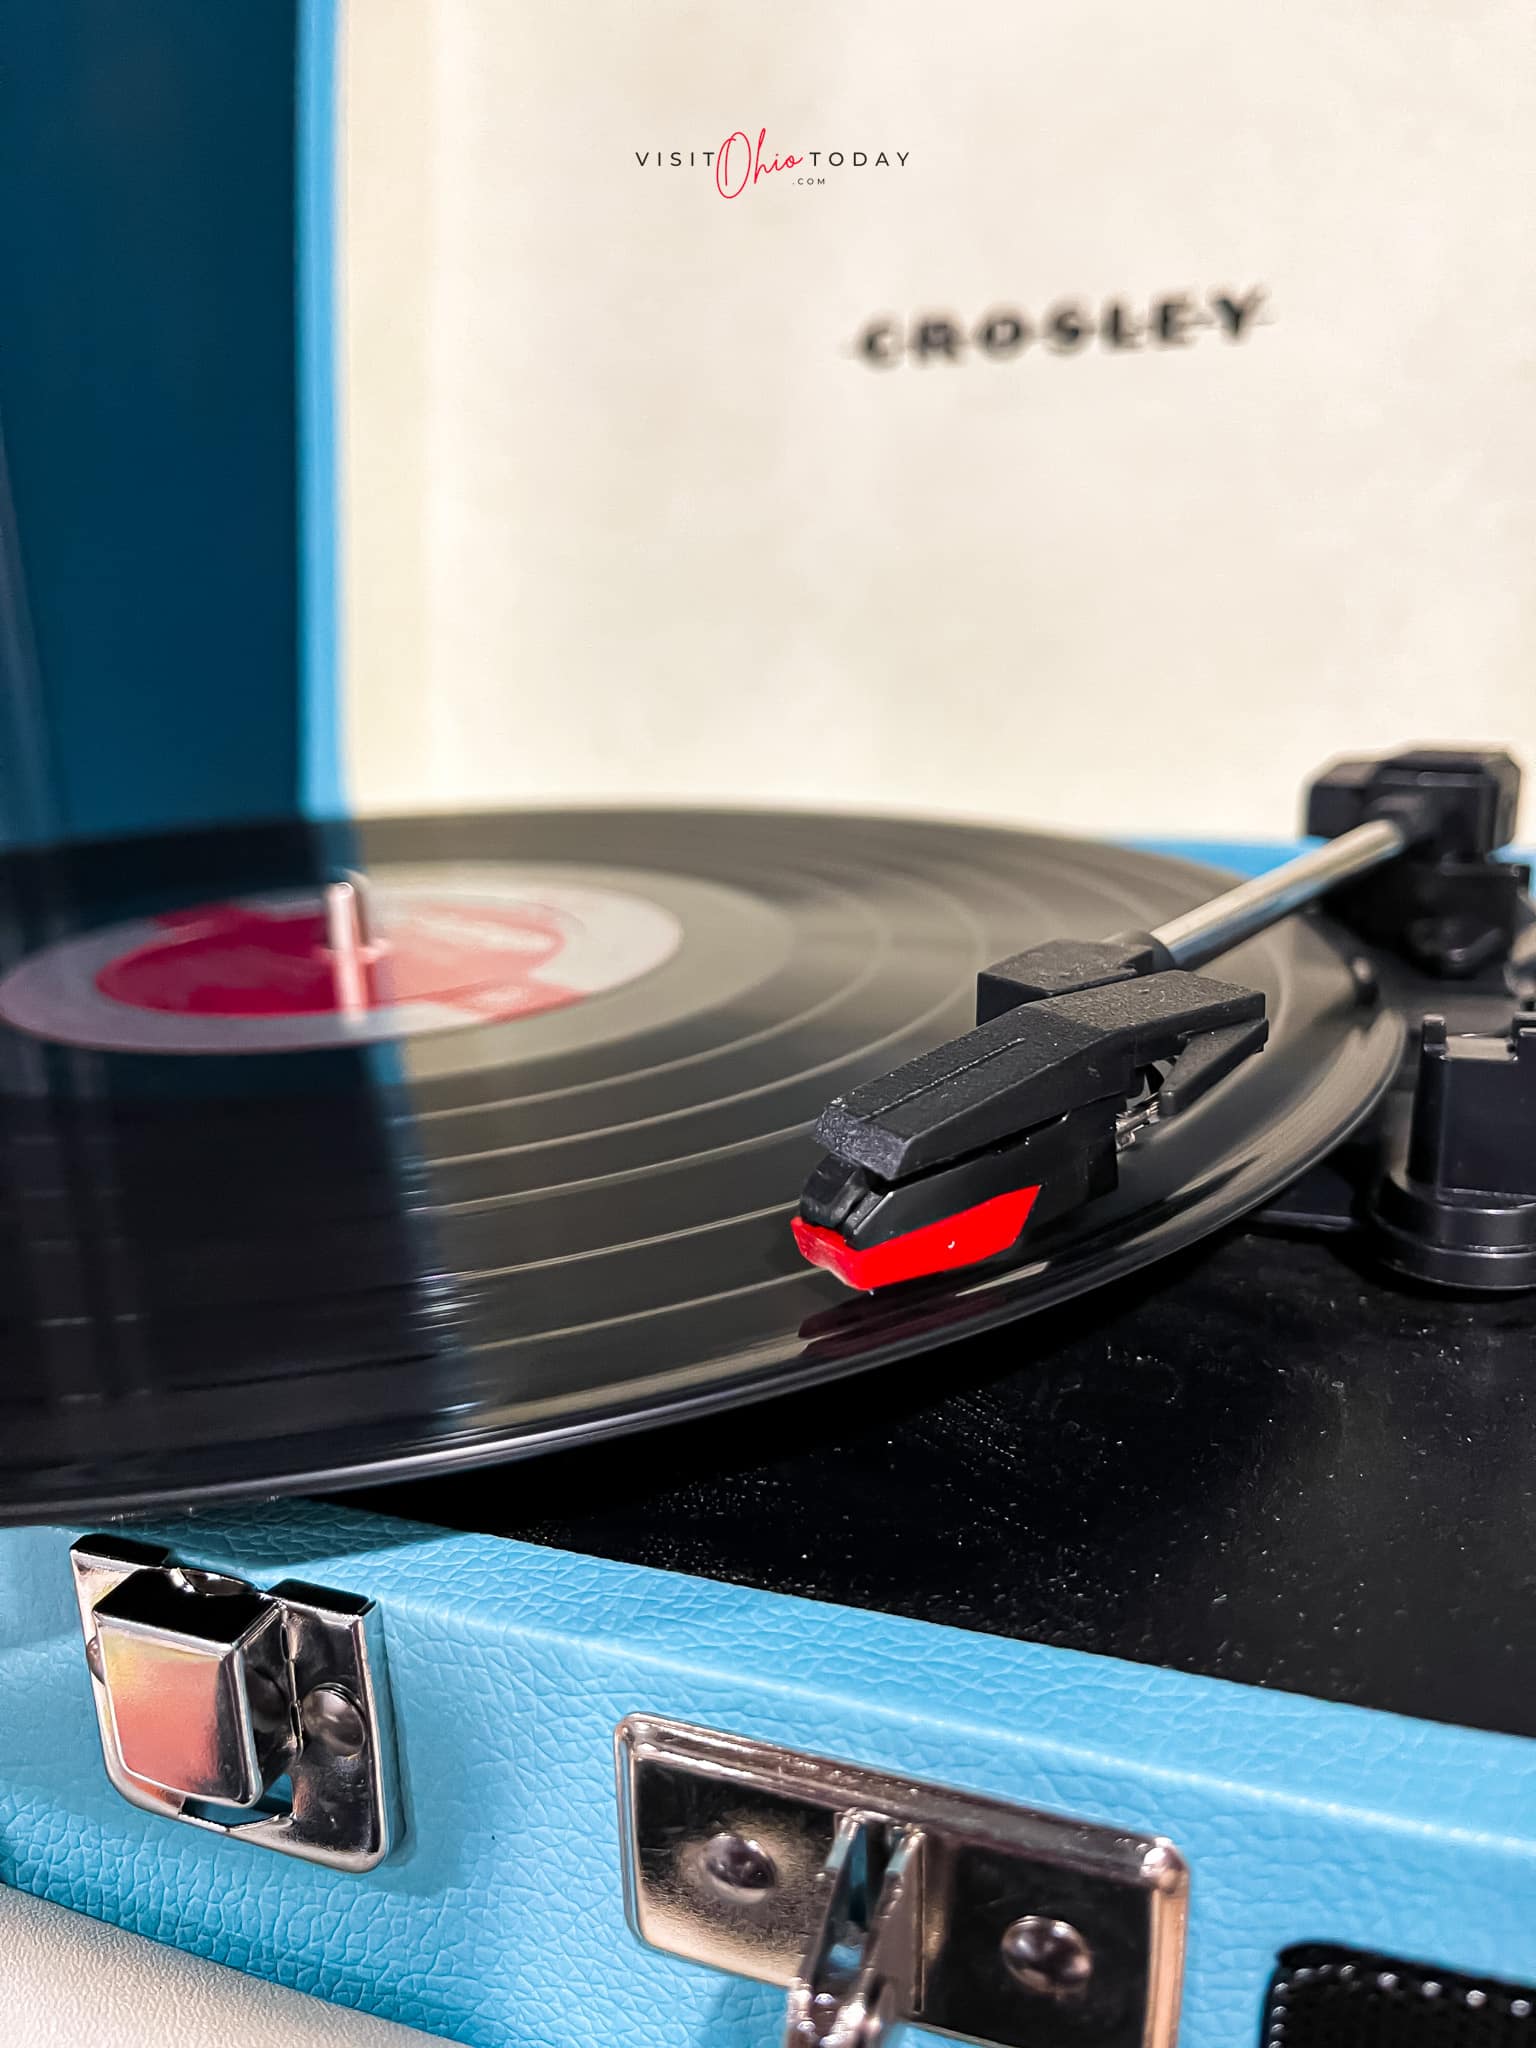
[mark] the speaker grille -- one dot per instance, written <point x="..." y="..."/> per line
<point x="1325" y="1997"/>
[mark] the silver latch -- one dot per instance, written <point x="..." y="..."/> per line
<point x="262" y="1715"/>
<point x="874" y="1899"/>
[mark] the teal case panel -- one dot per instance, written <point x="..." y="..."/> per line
<point x="499" y="1921"/>
<point x="168" y="524"/>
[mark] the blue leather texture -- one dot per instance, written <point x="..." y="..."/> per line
<point x="499" y="1921"/>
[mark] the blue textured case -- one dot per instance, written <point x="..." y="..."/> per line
<point x="499" y="1921"/>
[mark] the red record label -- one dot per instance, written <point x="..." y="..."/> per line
<point x="286" y="972"/>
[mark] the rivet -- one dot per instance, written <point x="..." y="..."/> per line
<point x="738" y="1866"/>
<point x="1047" y="1956"/>
<point x="332" y="1719"/>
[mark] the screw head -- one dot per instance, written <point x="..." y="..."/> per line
<point x="333" y="1720"/>
<point x="93" y="1658"/>
<point x="1048" y="1957"/>
<point x="738" y="1867"/>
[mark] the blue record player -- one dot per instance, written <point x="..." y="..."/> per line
<point x="1113" y="1630"/>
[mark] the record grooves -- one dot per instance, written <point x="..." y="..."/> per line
<point x="269" y="1269"/>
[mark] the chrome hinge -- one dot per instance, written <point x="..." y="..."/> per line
<point x="260" y="1715"/>
<point x="875" y="1899"/>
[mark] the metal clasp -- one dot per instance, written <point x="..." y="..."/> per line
<point x="862" y="1970"/>
<point x="876" y="1900"/>
<point x="262" y="1715"/>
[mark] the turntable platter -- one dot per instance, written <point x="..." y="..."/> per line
<point x="537" y="1186"/>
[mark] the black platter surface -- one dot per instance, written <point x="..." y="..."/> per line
<point x="351" y="1252"/>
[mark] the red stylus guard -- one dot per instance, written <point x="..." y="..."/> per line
<point x="960" y="1240"/>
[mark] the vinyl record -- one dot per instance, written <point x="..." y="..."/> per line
<point x="531" y="1180"/>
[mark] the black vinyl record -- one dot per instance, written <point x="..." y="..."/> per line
<point x="534" y="1183"/>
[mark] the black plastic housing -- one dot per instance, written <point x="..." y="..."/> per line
<point x="1458" y="801"/>
<point x="1448" y="905"/>
<point x="1460" y="1211"/>
<point x="1063" y="966"/>
<point x="1035" y="1061"/>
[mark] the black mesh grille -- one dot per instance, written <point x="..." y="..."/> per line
<point x="1340" y="1998"/>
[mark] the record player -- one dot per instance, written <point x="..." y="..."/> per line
<point x="652" y="1424"/>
